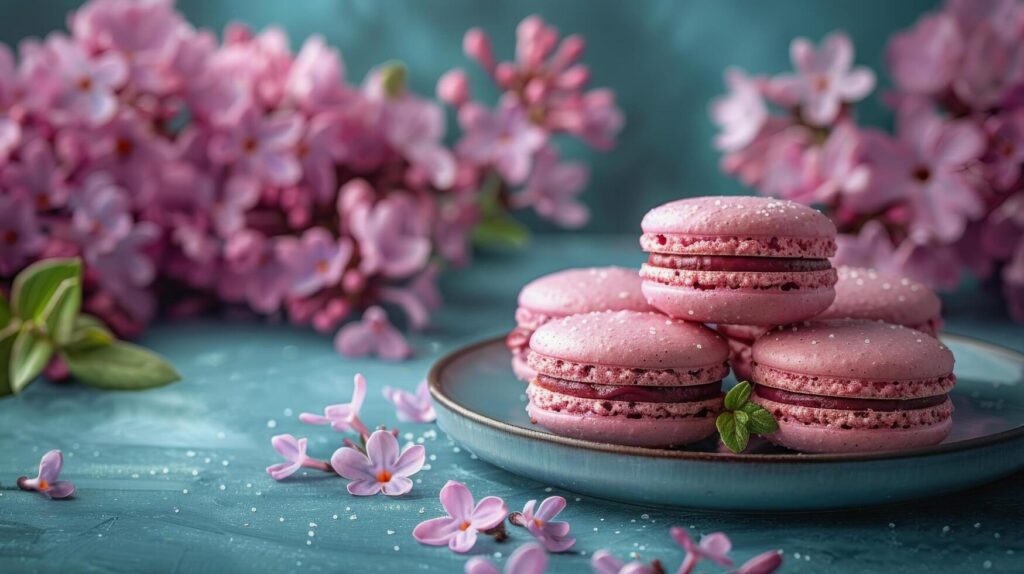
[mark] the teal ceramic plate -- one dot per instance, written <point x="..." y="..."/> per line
<point x="481" y="405"/>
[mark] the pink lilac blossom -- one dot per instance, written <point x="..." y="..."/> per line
<point x="927" y="201"/>
<point x="382" y="468"/>
<point x="604" y="562"/>
<point x="238" y="171"/>
<point x="465" y="520"/>
<point x="345" y="416"/>
<point x="46" y="481"/>
<point x="713" y="547"/>
<point x="294" y="452"/>
<point x="412" y="408"/>
<point x="764" y="563"/>
<point x="529" y="558"/>
<point x="553" y="534"/>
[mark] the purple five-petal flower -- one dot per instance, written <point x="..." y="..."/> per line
<point x="527" y="559"/>
<point x="46" y="481"/>
<point x="554" y="535"/>
<point x="714" y="547"/>
<point x="294" y="451"/>
<point x="412" y="408"/>
<point x="459" y="529"/>
<point x="382" y="469"/>
<point x="344" y="416"/>
<point x="373" y="335"/>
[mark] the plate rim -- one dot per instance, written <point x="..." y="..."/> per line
<point x="436" y="393"/>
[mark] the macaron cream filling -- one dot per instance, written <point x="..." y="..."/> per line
<point x="630" y="393"/>
<point x="847" y="404"/>
<point x="736" y="263"/>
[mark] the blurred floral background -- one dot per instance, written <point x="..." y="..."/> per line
<point x="326" y="164"/>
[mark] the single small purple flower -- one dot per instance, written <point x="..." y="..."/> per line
<point x="553" y="189"/>
<point x="714" y="547"/>
<point x="554" y="535"/>
<point x="82" y="87"/>
<point x="391" y="236"/>
<point x="100" y="214"/>
<point x="344" y="416"/>
<point x="382" y="469"/>
<point x="262" y="145"/>
<point x="504" y="138"/>
<point x="465" y="520"/>
<point x="529" y="558"/>
<point x="412" y="408"/>
<point x="38" y="175"/>
<point x="294" y="451"/>
<point x="46" y="481"/>
<point x="825" y="78"/>
<point x="316" y="261"/>
<point x="416" y="299"/>
<point x="373" y="335"/>
<point x="764" y="563"/>
<point x="604" y="562"/>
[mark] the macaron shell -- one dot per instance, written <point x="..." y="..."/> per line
<point x="521" y="369"/>
<point x="653" y="433"/>
<point x="630" y="339"/>
<point x="854" y="349"/>
<point x="869" y="294"/>
<point x="746" y="216"/>
<point x="847" y="387"/>
<point x="574" y="291"/>
<point x="740" y="306"/>
<point x="740" y="361"/>
<point x="813" y="439"/>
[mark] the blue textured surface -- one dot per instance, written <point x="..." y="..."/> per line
<point x="172" y="479"/>
<point x="663" y="58"/>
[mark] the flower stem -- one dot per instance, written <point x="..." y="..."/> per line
<point x="318" y="464"/>
<point x="364" y="432"/>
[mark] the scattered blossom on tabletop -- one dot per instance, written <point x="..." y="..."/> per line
<point x="465" y="520"/>
<point x="943" y="194"/>
<point x="234" y="170"/>
<point x="527" y="559"/>
<point x="46" y="482"/>
<point x="343" y="417"/>
<point x="554" y="535"/>
<point x="410" y="407"/>
<point x="604" y="562"/>
<point x="294" y="452"/>
<point x="382" y="468"/>
<point x="764" y="563"/>
<point x="713" y="547"/>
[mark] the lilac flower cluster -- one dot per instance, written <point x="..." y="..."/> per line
<point x="941" y="196"/>
<point x="233" y="170"/>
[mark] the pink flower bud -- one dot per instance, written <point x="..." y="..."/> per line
<point x="505" y="75"/>
<point x="453" y="88"/>
<point x="569" y="51"/>
<point x="477" y="46"/>
<point x="353" y="281"/>
<point x="574" y="78"/>
<point x="536" y="90"/>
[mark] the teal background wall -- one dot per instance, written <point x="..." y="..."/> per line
<point x="664" y="59"/>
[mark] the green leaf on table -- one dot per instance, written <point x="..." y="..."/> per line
<point x="500" y="230"/>
<point x="760" y="421"/>
<point x="61" y="310"/>
<point x="87" y="338"/>
<point x="738" y="395"/>
<point x="29" y="356"/>
<point x="37" y="283"/>
<point x="7" y="336"/>
<point x="119" y="366"/>
<point x="734" y="435"/>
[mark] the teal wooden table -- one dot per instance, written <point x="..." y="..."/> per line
<point x="173" y="479"/>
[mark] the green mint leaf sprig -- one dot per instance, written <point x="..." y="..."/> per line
<point x="742" y="418"/>
<point x="44" y="317"/>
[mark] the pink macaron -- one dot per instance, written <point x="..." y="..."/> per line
<point x="627" y="377"/>
<point x="852" y="385"/>
<point x="869" y="294"/>
<point x="570" y="292"/>
<point x="738" y="260"/>
<point x="860" y="294"/>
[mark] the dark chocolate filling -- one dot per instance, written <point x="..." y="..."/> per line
<point x="731" y="263"/>
<point x="630" y="393"/>
<point x="846" y="404"/>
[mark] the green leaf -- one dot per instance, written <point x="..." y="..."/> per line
<point x="7" y="337"/>
<point x="5" y="311"/>
<point x="61" y="310"/>
<point x="29" y="356"/>
<point x="738" y="395"/>
<point x="36" y="285"/>
<point x="89" y="337"/>
<point x="501" y="230"/>
<point x="760" y="420"/>
<point x="120" y="366"/>
<point x="735" y="436"/>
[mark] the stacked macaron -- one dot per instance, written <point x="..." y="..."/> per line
<point x="627" y="377"/>
<point x="741" y="260"/>
<point x="570" y="292"/>
<point x="853" y="385"/>
<point x="860" y="294"/>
